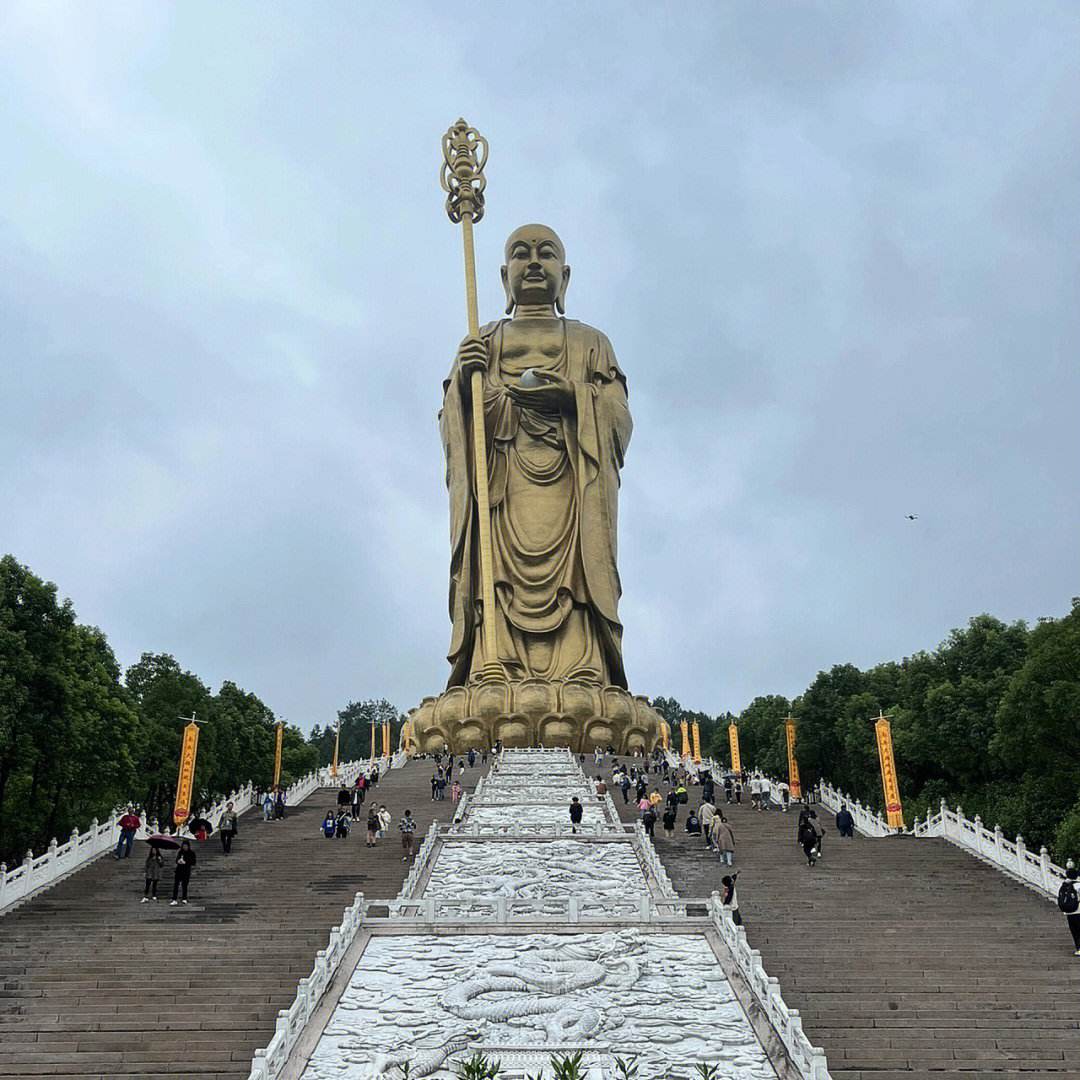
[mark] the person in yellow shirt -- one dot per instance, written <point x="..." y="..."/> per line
<point x="655" y="799"/>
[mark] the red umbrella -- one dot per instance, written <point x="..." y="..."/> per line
<point x="163" y="842"/>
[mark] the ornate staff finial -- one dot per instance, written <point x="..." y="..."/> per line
<point x="465" y="153"/>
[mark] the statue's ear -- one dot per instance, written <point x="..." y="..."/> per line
<point x="510" y="304"/>
<point x="560" y="299"/>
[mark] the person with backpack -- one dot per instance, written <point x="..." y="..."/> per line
<point x="670" y="814"/>
<point x="342" y="824"/>
<point x="1069" y="903"/>
<point x="373" y="825"/>
<point x="648" y="819"/>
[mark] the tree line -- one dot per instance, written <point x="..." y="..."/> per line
<point x="989" y="720"/>
<point x="79" y="737"/>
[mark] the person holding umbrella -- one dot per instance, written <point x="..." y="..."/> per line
<point x="185" y="861"/>
<point x="154" y="862"/>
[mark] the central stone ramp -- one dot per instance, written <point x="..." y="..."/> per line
<point x="521" y="938"/>
<point x="908" y="958"/>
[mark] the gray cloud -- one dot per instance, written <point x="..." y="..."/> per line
<point x="835" y="247"/>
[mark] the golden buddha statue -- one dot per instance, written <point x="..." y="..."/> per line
<point x="557" y="425"/>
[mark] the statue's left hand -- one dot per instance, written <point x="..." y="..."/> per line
<point x="555" y="396"/>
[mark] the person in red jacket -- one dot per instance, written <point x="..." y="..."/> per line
<point x="129" y="826"/>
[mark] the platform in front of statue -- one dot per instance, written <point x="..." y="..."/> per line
<point x="534" y="712"/>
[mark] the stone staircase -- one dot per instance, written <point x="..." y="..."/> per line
<point x="906" y="958"/>
<point x="95" y="984"/>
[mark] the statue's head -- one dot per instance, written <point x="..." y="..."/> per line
<point x="535" y="271"/>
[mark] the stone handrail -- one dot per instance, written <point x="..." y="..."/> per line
<point x="1013" y="857"/>
<point x="267" y="1064"/>
<point x="809" y="1060"/>
<point x="868" y="822"/>
<point x="39" y="872"/>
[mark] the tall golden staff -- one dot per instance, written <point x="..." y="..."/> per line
<point x="465" y="153"/>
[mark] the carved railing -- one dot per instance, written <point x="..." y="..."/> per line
<point x="38" y="872"/>
<point x="573" y="908"/>
<point x="808" y="1059"/>
<point x="1013" y="857"/>
<point x="268" y="1064"/>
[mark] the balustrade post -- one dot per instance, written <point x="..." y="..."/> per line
<point x="999" y="850"/>
<point x="1044" y="866"/>
<point x="978" y="834"/>
<point x="1021" y="856"/>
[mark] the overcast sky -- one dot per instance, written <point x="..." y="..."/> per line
<point x="835" y="247"/>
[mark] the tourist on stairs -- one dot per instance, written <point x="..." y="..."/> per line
<point x="729" y="898"/>
<point x="154" y="862"/>
<point x="227" y="828"/>
<point x="384" y="820"/>
<point x="576" y="813"/>
<point x="723" y="839"/>
<point x="329" y="825"/>
<point x="845" y="823"/>
<point x="670" y="814"/>
<point x="372" y="826"/>
<point x="1069" y="902"/>
<point x="706" y="814"/>
<point x="808" y="838"/>
<point x="129" y="826"/>
<point x="185" y="863"/>
<point x="407" y="827"/>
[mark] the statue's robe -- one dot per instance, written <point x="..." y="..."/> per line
<point x="554" y="485"/>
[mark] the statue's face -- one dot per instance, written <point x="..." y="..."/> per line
<point x="535" y="270"/>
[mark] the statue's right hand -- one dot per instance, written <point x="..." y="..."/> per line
<point x="472" y="355"/>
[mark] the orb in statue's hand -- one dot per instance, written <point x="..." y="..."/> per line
<point x="530" y="379"/>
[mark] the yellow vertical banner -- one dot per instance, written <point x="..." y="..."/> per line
<point x="665" y="735"/>
<point x="277" y="752"/>
<point x="684" y="730"/>
<point x="889" y="784"/>
<point x="386" y="739"/>
<point x="185" y="779"/>
<point x="733" y="742"/>
<point x="794" y="787"/>
<point x="695" y="731"/>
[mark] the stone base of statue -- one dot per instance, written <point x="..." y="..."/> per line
<point x="533" y="712"/>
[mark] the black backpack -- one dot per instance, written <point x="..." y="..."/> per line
<point x="1068" y="901"/>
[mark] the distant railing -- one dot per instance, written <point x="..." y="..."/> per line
<point x="808" y="1059"/>
<point x="1011" y="856"/>
<point x="38" y="872"/>
<point x="268" y="1064"/>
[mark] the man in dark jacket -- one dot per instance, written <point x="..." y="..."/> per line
<point x="845" y="823"/>
<point x="576" y="812"/>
